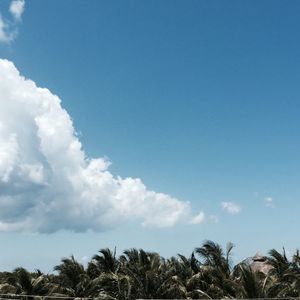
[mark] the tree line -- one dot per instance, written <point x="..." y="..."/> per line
<point x="208" y="273"/>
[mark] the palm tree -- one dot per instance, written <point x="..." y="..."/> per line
<point x="216" y="270"/>
<point x="104" y="263"/>
<point x="172" y="288"/>
<point x="108" y="283"/>
<point x="143" y="269"/>
<point x="176" y="275"/>
<point x="284" y="274"/>
<point x="73" y="278"/>
<point x="32" y="283"/>
<point x="111" y="286"/>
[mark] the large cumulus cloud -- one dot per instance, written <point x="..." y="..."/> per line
<point x="46" y="181"/>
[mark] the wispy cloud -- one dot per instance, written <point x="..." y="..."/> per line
<point x="201" y="217"/>
<point x="269" y="202"/>
<point x="17" y="8"/>
<point x="9" y="28"/>
<point x="6" y="35"/>
<point x="47" y="182"/>
<point x="231" y="207"/>
<point x="198" y="219"/>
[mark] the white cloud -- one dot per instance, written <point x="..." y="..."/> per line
<point x="231" y="207"/>
<point x="9" y="29"/>
<point x="46" y="181"/>
<point x="17" y="8"/>
<point x="269" y="202"/>
<point x="201" y="218"/>
<point x="198" y="219"/>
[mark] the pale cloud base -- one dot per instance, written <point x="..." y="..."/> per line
<point x="47" y="182"/>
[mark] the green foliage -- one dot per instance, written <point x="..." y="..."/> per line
<point x="207" y="273"/>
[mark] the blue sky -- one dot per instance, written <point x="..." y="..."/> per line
<point x="198" y="99"/>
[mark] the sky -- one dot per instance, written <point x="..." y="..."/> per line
<point x="147" y="124"/>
